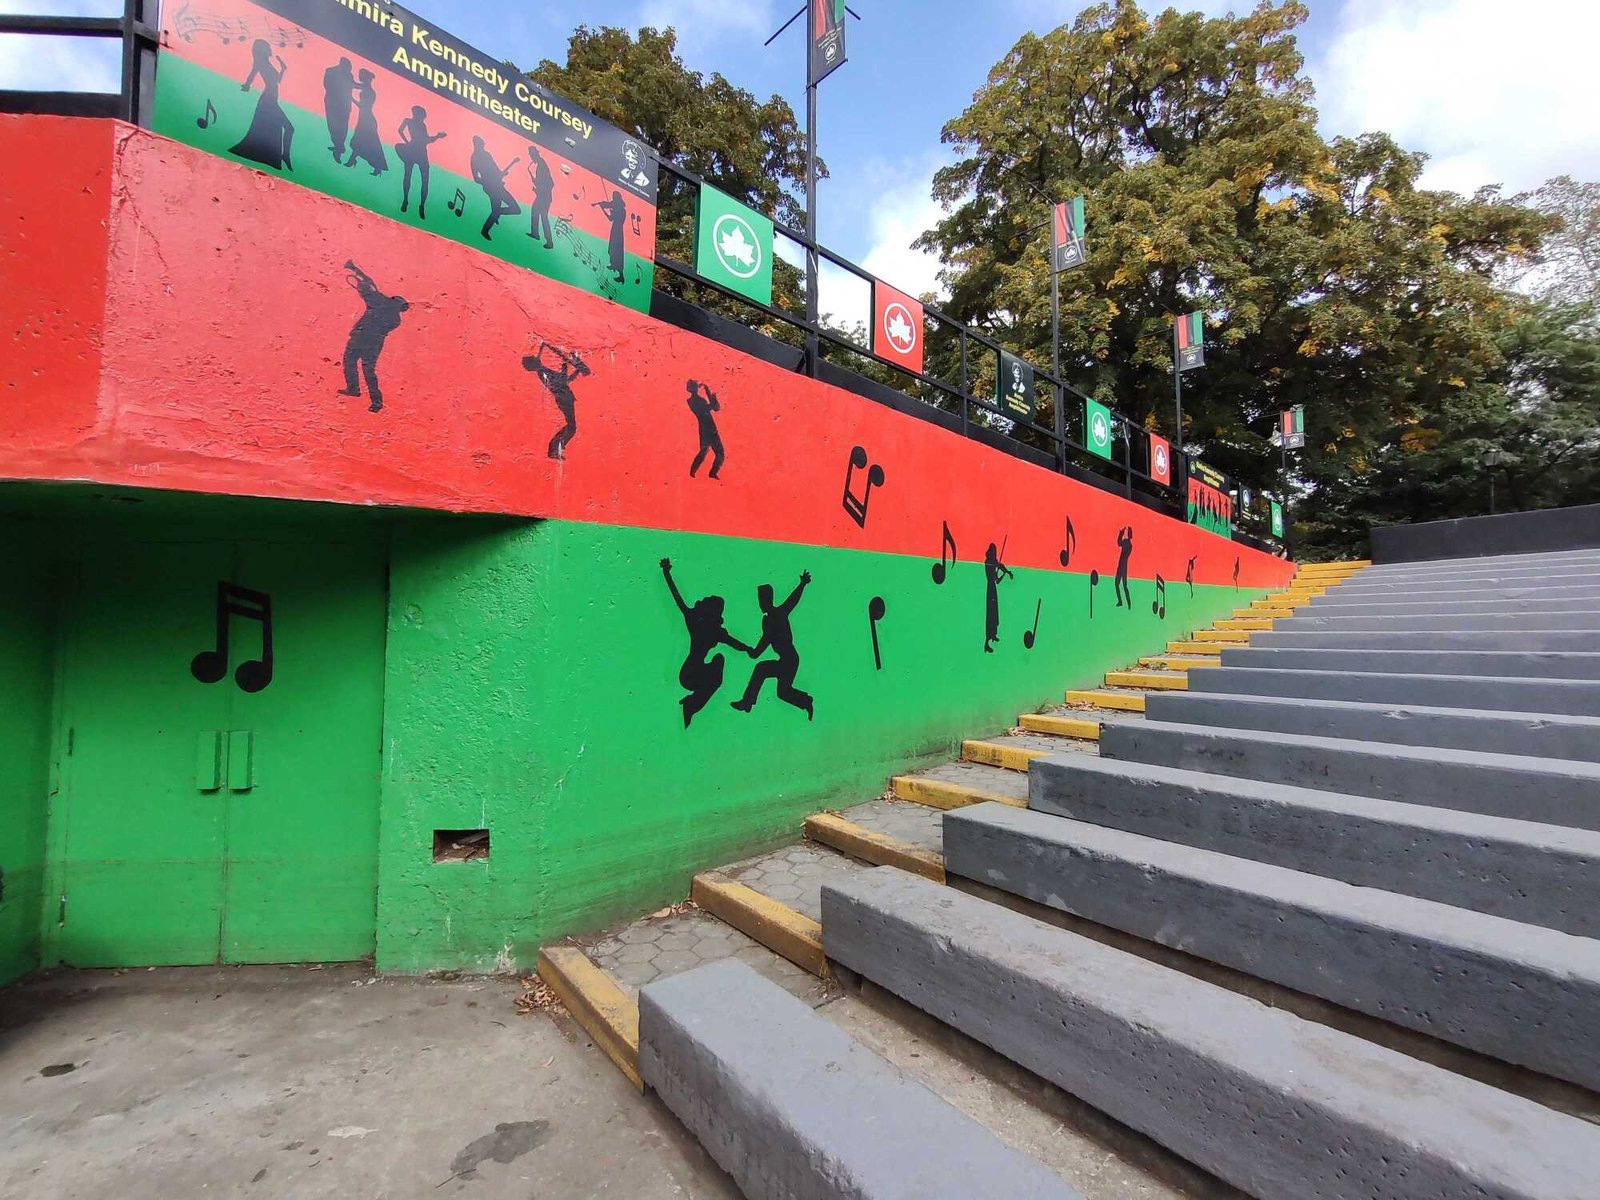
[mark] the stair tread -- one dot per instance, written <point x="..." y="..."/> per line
<point x="915" y="824"/>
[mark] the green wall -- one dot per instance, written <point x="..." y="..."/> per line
<point x="532" y="689"/>
<point x="27" y="669"/>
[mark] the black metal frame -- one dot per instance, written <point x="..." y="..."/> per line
<point x="139" y="38"/>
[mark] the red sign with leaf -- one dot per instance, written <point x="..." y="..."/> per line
<point x="1161" y="460"/>
<point x="897" y="327"/>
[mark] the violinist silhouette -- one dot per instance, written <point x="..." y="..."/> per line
<point x="994" y="571"/>
<point x="491" y="177"/>
<point x="701" y="675"/>
<point x="381" y="318"/>
<point x="617" y="212"/>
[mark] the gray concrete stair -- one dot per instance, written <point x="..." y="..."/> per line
<point x="1511" y="621"/>
<point x="1549" y="664"/>
<point x="1529" y="638"/>
<point x="1500" y="732"/>
<point x="1574" y="697"/>
<point x="1280" y="1107"/>
<point x="1429" y="590"/>
<point x="1546" y="875"/>
<point x="1320" y="606"/>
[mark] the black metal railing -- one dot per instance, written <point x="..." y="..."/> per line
<point x="139" y="38"/>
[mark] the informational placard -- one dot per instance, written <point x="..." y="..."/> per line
<point x="1160" y="460"/>
<point x="897" y="327"/>
<point x="733" y="245"/>
<point x="1292" y="427"/>
<point x="1067" y="248"/>
<point x="1097" y="427"/>
<point x="1210" y="507"/>
<point x="1013" y="389"/>
<point x="379" y="107"/>
<point x="826" y="37"/>
<point x="1277" y="519"/>
<point x="1189" y="338"/>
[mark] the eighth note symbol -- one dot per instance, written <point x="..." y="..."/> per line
<point x="855" y="505"/>
<point x="210" y="117"/>
<point x="1030" y="635"/>
<point x="457" y="203"/>
<point x="1071" y="544"/>
<point x="209" y="666"/>
<point x="942" y="567"/>
<point x="1159" y="604"/>
<point x="875" y="610"/>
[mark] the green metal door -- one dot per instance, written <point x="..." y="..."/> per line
<point x="221" y="717"/>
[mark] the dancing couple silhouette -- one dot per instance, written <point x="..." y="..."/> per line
<point x="702" y="671"/>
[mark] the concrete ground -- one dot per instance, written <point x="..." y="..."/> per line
<point x="289" y="1081"/>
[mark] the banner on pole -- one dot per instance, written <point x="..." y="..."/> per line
<point x="1277" y="519"/>
<point x="1097" y="428"/>
<point x="1189" y="334"/>
<point x="1066" y="244"/>
<point x="733" y="245"/>
<point x="383" y="109"/>
<point x="827" y="37"/>
<point x="897" y="327"/>
<point x="1161" y="460"/>
<point x="1292" y="427"/>
<point x="1013" y="390"/>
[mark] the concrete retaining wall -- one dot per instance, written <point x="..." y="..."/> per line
<point x="1551" y="529"/>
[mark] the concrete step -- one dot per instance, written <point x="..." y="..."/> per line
<point x="1498" y="732"/>
<point x="952" y="785"/>
<point x="1509" y="576"/>
<point x="1277" y="1106"/>
<point x="1209" y="649"/>
<point x="1245" y="623"/>
<point x="1068" y="724"/>
<point x="1529" y="638"/>
<point x="1150" y="680"/>
<point x="1554" y="664"/>
<point x="1213" y="636"/>
<point x="1551" y="791"/>
<point x="1517" y="992"/>
<point x="1544" y="875"/>
<point x="1105" y="698"/>
<point x="790" y="1105"/>
<point x="1181" y="662"/>
<point x="1501" y="622"/>
<point x="1569" y="696"/>
<point x="1424" y="608"/>
<point x="1568" y="587"/>
<point x="1554" y="561"/>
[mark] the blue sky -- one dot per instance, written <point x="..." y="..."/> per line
<point x="1495" y="93"/>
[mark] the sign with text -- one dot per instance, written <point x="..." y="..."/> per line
<point x="1013" y="391"/>
<point x="1066" y="244"/>
<point x="379" y="107"/>
<point x="733" y="245"/>
<point x="1161" y="460"/>
<point x="826" y="37"/>
<point x="1097" y="427"/>
<point x="1209" y="507"/>
<point x="1292" y="427"/>
<point x="1189" y="335"/>
<point x="897" y="327"/>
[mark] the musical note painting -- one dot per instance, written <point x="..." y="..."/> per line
<point x="856" y="504"/>
<point x="253" y="675"/>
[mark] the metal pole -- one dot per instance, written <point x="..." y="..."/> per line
<point x="1491" y="491"/>
<point x="1177" y="433"/>
<point x="813" y="346"/>
<point x="1055" y="356"/>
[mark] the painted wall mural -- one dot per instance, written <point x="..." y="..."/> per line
<point x="743" y="595"/>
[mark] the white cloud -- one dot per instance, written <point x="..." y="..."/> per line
<point x="902" y="209"/>
<point x="60" y="64"/>
<point x="703" y="23"/>
<point x="1494" y="93"/>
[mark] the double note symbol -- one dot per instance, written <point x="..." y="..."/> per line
<point x="209" y="666"/>
<point x="875" y="610"/>
<point x="209" y="118"/>
<point x="855" y="505"/>
<point x="941" y="569"/>
<point x="1029" y="636"/>
<point x="1070" y="545"/>
<point x="1159" y="604"/>
<point x="457" y="203"/>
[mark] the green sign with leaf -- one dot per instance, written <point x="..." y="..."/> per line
<point x="1277" y="519"/>
<point x="1097" y="427"/>
<point x="733" y="245"/>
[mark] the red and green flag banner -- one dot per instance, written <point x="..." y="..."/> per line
<point x="1161" y="460"/>
<point x="381" y="108"/>
<point x="1292" y="427"/>
<point x="826" y="37"/>
<point x="1190" y="337"/>
<point x="1066" y="244"/>
<point x="897" y="327"/>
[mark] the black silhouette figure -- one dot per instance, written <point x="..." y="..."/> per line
<point x="617" y="211"/>
<point x="558" y="380"/>
<point x="365" y="144"/>
<point x="703" y="403"/>
<point x="994" y="570"/>
<point x="338" y="89"/>
<point x="381" y="318"/>
<point x="544" y="187"/>
<point x="1120" y="585"/>
<point x="491" y="177"/>
<point x="1236" y="574"/>
<point x="270" y="135"/>
<point x="700" y="675"/>
<point x="779" y="637"/>
<point x="412" y="150"/>
<point x="1188" y="574"/>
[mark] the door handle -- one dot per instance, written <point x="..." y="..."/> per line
<point x="208" y="761"/>
<point x="241" y="760"/>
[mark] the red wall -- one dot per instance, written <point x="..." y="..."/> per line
<point x="226" y="317"/>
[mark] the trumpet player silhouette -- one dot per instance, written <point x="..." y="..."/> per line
<point x="703" y="403"/>
<point x="557" y="380"/>
<point x="371" y="330"/>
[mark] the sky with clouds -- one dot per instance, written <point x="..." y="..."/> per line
<point x="1494" y="92"/>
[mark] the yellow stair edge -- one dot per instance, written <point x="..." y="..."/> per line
<point x="1220" y="635"/>
<point x="1210" y="649"/>
<point x="1253" y="623"/>
<point x="937" y="793"/>
<point x="1264" y="610"/>
<point x="1120" y="701"/>
<point x="849" y="838"/>
<point x="998" y="754"/>
<point x="1179" y="662"/>
<point x="1084" y="728"/>
<point x="1147" y="679"/>
<point x="596" y="1002"/>
<point x="776" y="926"/>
